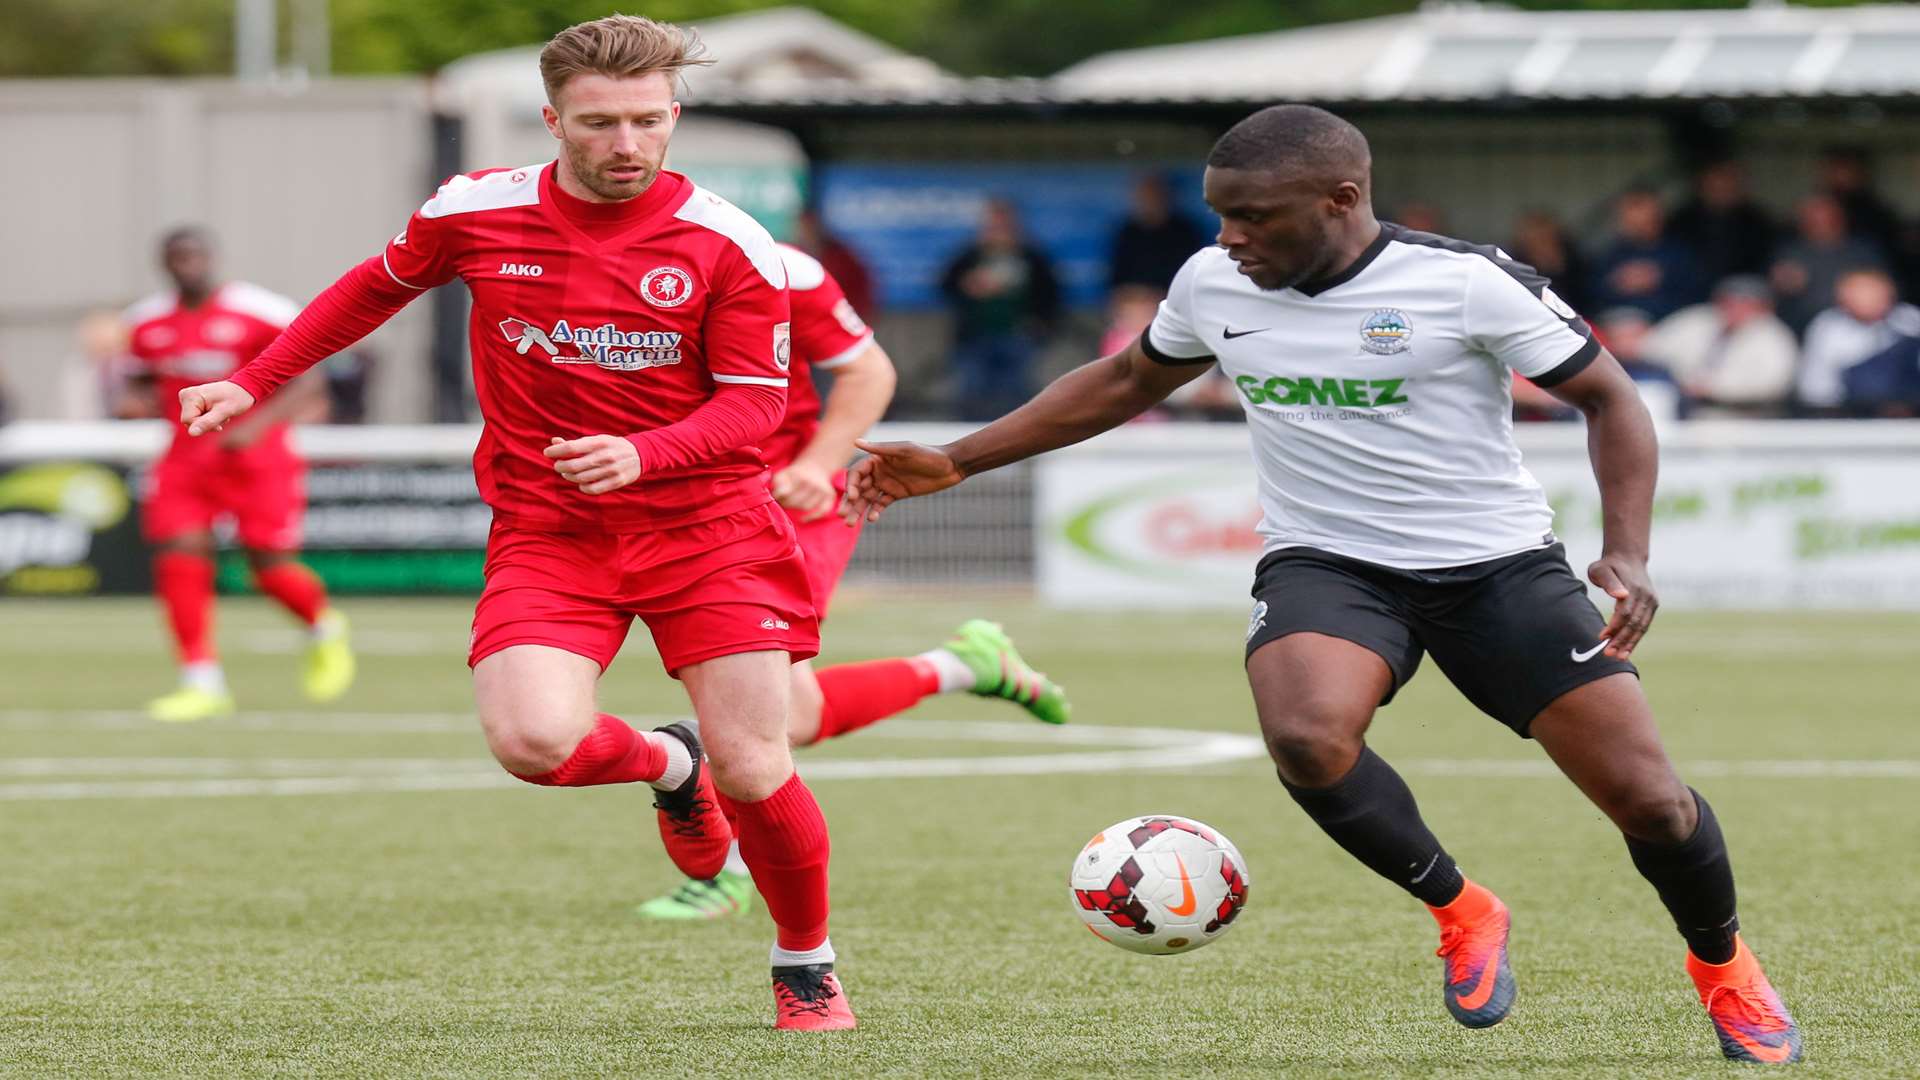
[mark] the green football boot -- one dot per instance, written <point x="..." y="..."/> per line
<point x="191" y="704"/>
<point x="998" y="671"/>
<point x="726" y="894"/>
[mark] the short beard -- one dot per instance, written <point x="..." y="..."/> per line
<point x="610" y="190"/>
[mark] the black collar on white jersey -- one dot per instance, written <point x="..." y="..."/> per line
<point x="1315" y="288"/>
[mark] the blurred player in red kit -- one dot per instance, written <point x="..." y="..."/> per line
<point x="808" y="455"/>
<point x="630" y="351"/>
<point x="200" y="329"/>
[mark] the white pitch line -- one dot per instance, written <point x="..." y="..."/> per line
<point x="1103" y="749"/>
<point x="1143" y="748"/>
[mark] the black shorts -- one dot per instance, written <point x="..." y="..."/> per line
<point x="1512" y="634"/>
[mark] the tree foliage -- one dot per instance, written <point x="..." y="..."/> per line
<point x="988" y="37"/>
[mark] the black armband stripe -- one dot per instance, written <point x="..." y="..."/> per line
<point x="1568" y="368"/>
<point x="1158" y="357"/>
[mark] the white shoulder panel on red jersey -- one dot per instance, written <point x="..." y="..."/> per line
<point x="495" y="191"/>
<point x="710" y="211"/>
<point x="263" y="304"/>
<point x="150" y="307"/>
<point x="804" y="272"/>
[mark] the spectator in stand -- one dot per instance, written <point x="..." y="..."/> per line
<point x="1154" y="241"/>
<point x="1807" y="267"/>
<point x="1846" y="173"/>
<point x="1866" y="319"/>
<point x="1624" y="331"/>
<point x="1732" y="356"/>
<point x="811" y="236"/>
<point x="1644" y="267"/>
<point x="1886" y="383"/>
<point x="1540" y="241"/>
<point x="96" y="383"/>
<point x="1724" y="227"/>
<point x="1130" y="310"/>
<point x="1005" y="300"/>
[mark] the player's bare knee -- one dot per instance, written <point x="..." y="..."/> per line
<point x="749" y="769"/>
<point x="528" y="744"/>
<point x="1313" y="760"/>
<point x="1313" y="742"/>
<point x="1657" y="813"/>
<point x="262" y="561"/>
<point x="192" y="544"/>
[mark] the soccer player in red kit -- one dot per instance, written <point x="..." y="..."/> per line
<point x="808" y="456"/>
<point x="204" y="328"/>
<point x="630" y="349"/>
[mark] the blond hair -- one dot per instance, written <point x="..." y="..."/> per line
<point x="619" y="46"/>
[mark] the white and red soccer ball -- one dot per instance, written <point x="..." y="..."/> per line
<point x="1159" y="884"/>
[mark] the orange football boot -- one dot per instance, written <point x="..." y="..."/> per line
<point x="1748" y="1016"/>
<point x="1478" y="985"/>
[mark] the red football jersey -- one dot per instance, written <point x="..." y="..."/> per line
<point x="184" y="347"/>
<point x="827" y="333"/>
<point x="602" y="318"/>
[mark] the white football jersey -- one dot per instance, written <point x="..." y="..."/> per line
<point x="1381" y="399"/>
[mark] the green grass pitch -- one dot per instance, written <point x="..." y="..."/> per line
<point x="473" y="928"/>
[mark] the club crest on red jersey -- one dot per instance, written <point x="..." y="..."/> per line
<point x="666" y="286"/>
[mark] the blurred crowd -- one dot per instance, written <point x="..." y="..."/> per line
<point x="1713" y="303"/>
<point x="1721" y="309"/>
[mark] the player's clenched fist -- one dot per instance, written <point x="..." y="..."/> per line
<point x="806" y="489"/>
<point x="895" y="471"/>
<point x="598" y="463"/>
<point x="209" y="406"/>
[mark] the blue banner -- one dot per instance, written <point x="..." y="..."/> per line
<point x="907" y="221"/>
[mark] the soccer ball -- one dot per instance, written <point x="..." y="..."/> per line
<point x="1159" y="884"/>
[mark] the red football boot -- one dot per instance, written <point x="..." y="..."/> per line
<point x="807" y="997"/>
<point x="696" y="833"/>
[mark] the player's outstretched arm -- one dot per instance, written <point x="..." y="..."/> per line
<point x="1626" y="462"/>
<point x="209" y="406"/>
<point x="861" y="390"/>
<point x="1082" y="403"/>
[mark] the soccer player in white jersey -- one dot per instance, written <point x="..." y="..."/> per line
<point x="1374" y="363"/>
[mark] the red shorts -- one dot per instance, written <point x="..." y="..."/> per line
<point x="828" y="546"/>
<point x="713" y="588"/>
<point x="262" y="488"/>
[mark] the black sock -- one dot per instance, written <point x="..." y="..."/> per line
<point x="1695" y="881"/>
<point x="1371" y="813"/>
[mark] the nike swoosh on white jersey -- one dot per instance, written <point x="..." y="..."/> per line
<point x="1582" y="657"/>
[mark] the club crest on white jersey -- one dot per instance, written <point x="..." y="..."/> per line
<point x="1386" y="332"/>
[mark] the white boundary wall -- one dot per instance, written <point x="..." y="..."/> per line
<point x="299" y="182"/>
<point x="1750" y="515"/>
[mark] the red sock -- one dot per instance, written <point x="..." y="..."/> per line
<point x="612" y="753"/>
<point x="783" y="838"/>
<point x="184" y="584"/>
<point x="855" y="695"/>
<point x="297" y="588"/>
